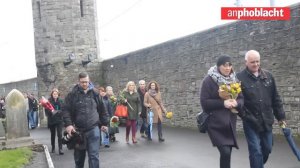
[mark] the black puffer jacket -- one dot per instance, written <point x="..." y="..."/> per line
<point x="84" y="110"/>
<point x="261" y="99"/>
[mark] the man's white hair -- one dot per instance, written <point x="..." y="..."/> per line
<point x="251" y="52"/>
<point x="141" y="81"/>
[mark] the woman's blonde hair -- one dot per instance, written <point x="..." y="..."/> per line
<point x="127" y="86"/>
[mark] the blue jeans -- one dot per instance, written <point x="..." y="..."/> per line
<point x="92" y="138"/>
<point x="259" y="145"/>
<point x="32" y="116"/>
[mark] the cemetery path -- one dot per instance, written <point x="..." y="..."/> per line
<point x="183" y="148"/>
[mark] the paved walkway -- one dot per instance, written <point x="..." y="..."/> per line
<point x="183" y="148"/>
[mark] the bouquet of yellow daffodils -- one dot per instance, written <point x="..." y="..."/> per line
<point x="230" y="91"/>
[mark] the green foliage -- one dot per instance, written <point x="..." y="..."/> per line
<point x="15" y="158"/>
<point x="121" y="97"/>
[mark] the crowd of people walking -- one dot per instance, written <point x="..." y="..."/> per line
<point x="89" y="114"/>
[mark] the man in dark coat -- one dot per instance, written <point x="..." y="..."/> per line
<point x="261" y="103"/>
<point x="84" y="110"/>
<point x="142" y="90"/>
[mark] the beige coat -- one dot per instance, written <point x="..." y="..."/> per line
<point x="157" y="109"/>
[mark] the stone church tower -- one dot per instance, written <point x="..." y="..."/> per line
<point x="66" y="43"/>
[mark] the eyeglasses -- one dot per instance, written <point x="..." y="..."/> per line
<point x="82" y="82"/>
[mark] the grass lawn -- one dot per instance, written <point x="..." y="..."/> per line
<point x="15" y="158"/>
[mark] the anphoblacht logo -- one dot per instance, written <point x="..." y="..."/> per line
<point x="255" y="13"/>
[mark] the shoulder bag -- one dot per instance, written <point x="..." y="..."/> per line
<point x="202" y="118"/>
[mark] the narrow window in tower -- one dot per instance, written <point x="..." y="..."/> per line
<point x="81" y="8"/>
<point x="35" y="86"/>
<point x="39" y="10"/>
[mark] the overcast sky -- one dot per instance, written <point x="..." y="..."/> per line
<point x="128" y="26"/>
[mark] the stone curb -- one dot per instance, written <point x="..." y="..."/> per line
<point x="48" y="157"/>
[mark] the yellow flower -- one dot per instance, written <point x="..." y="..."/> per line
<point x="232" y="89"/>
<point x="223" y="87"/>
<point x="169" y="115"/>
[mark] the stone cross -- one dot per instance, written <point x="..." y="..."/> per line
<point x="16" y="115"/>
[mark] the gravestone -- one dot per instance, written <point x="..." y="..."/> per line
<point x="17" y="133"/>
<point x="16" y="117"/>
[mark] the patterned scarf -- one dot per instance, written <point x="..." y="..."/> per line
<point x="152" y="92"/>
<point x="219" y="78"/>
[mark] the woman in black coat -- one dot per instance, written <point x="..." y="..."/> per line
<point x="222" y="121"/>
<point x="55" y="121"/>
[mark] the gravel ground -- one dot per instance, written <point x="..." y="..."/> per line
<point x="38" y="161"/>
<point x="38" y="157"/>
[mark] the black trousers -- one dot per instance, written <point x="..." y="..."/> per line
<point x="57" y="128"/>
<point x="143" y="126"/>
<point x="225" y="156"/>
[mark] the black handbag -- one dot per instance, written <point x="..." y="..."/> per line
<point x="202" y="118"/>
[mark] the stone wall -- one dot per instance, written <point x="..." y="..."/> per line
<point x="180" y="65"/>
<point x="28" y="86"/>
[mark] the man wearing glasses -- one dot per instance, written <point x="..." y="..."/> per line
<point x="84" y="111"/>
